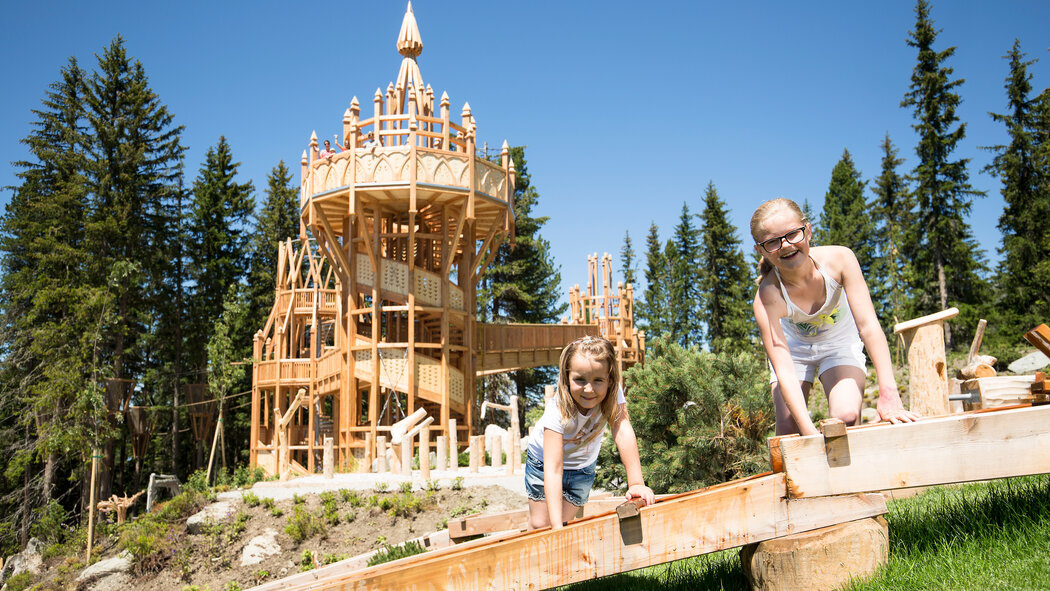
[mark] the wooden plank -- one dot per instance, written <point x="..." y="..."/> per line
<point x="518" y="519"/>
<point x="957" y="448"/>
<point x="687" y="525"/>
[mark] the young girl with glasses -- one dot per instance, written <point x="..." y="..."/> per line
<point x="563" y="445"/>
<point x="814" y="313"/>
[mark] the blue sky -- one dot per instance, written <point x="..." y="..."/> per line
<point x="627" y="109"/>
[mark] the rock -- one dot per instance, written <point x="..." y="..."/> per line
<point x="1032" y="362"/>
<point x="823" y="559"/>
<point x="869" y="415"/>
<point x="214" y="513"/>
<point x="28" y="560"/>
<point x="104" y="568"/>
<point x="114" y="582"/>
<point x="259" y="547"/>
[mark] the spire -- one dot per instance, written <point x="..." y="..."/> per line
<point x="409" y="41"/>
<point x="410" y="45"/>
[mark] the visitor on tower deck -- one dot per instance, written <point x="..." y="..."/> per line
<point x="814" y="313"/>
<point x="563" y="445"/>
<point x="327" y="151"/>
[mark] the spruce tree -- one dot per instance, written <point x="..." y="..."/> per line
<point x="653" y="309"/>
<point x="1025" y="190"/>
<point x="845" y="220"/>
<point x="45" y="307"/>
<point x="892" y="209"/>
<point x="277" y="221"/>
<point x="726" y="283"/>
<point x="682" y="256"/>
<point x="948" y="261"/>
<point x="627" y="260"/>
<point x="523" y="284"/>
<point x="218" y="241"/>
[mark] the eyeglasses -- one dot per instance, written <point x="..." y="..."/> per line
<point x="793" y="237"/>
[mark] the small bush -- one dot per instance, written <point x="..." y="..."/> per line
<point x="19" y="582"/>
<point x="183" y="505"/>
<point x="303" y="525"/>
<point x="406" y="487"/>
<point x="276" y="511"/>
<point x="389" y="553"/>
<point x="381" y="487"/>
<point x="267" y="502"/>
<point x="351" y="496"/>
<point x="443" y="524"/>
<point x="306" y="562"/>
<point x="49" y="523"/>
<point x="250" y="499"/>
<point x="298" y="499"/>
<point x="232" y="586"/>
<point x="350" y="516"/>
<point x="432" y="485"/>
<point x="147" y="542"/>
<point x="457" y="483"/>
<point x="334" y="558"/>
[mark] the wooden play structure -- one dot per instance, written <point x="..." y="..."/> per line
<point x="374" y="305"/>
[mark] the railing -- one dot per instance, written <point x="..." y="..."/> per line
<point x="395" y="280"/>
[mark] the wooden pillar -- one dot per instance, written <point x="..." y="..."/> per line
<point x="366" y="463"/>
<point x="442" y="452"/>
<point x="475" y="453"/>
<point x="329" y="457"/>
<point x="424" y="453"/>
<point x="381" y="453"/>
<point x="927" y="366"/>
<point x="497" y="452"/>
<point x="453" y="446"/>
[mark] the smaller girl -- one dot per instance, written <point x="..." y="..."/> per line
<point x="563" y="445"/>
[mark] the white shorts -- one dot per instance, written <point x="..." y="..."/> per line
<point x="811" y="357"/>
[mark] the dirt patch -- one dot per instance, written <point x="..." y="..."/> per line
<point x="366" y="521"/>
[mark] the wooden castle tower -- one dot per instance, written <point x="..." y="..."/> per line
<point x="373" y="317"/>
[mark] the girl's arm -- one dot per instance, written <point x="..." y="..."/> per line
<point x="889" y="404"/>
<point x="553" y="449"/>
<point x="627" y="444"/>
<point x="769" y="308"/>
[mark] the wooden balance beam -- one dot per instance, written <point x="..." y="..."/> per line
<point x="699" y="522"/>
<point x="976" y="445"/>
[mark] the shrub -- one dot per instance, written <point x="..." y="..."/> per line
<point x="147" y="542"/>
<point x="334" y="558"/>
<point x="705" y="418"/>
<point x="432" y="485"/>
<point x="303" y="525"/>
<point x="232" y="586"/>
<point x="350" y="516"/>
<point x="250" y="499"/>
<point x="19" y="582"/>
<point x="381" y="487"/>
<point x="351" y="496"/>
<point x="186" y="503"/>
<point x="389" y="553"/>
<point x="406" y="487"/>
<point x="457" y="483"/>
<point x="306" y="562"/>
<point x="49" y="523"/>
<point x="298" y="499"/>
<point x="267" y="502"/>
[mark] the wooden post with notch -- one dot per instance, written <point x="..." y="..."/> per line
<point x="927" y="366"/>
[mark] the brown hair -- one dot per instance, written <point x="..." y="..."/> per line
<point x="599" y="350"/>
<point x="765" y="210"/>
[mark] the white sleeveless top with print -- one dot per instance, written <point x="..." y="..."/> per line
<point x="832" y="319"/>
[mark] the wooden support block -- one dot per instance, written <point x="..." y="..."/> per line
<point x="978" y="445"/>
<point x="406" y="456"/>
<point x="475" y="448"/>
<point x="442" y="452"/>
<point x="1000" y="391"/>
<point x="836" y="444"/>
<point x="825" y="559"/>
<point x="366" y="465"/>
<point x="691" y="524"/>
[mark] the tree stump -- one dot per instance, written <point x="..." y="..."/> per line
<point x="819" y="560"/>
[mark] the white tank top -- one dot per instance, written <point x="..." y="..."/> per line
<point x="833" y="318"/>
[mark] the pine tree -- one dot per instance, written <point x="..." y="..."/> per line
<point x="726" y="284"/>
<point x="45" y="302"/>
<point x="653" y="309"/>
<point x="1026" y="191"/>
<point x="892" y="210"/>
<point x="523" y="284"/>
<point x="276" y="221"/>
<point x="627" y="260"/>
<point x="948" y="262"/>
<point x="845" y="220"/>
<point x="218" y="240"/>
<point x="682" y="254"/>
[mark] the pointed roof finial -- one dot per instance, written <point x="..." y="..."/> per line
<point x="409" y="41"/>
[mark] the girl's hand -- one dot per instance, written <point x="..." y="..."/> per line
<point x="640" y="491"/>
<point x="891" y="408"/>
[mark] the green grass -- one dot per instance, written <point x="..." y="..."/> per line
<point x="990" y="535"/>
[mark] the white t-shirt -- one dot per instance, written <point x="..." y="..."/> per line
<point x="583" y="434"/>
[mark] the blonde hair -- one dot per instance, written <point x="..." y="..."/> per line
<point x="599" y="350"/>
<point x="761" y="213"/>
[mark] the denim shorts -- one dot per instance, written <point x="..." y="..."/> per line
<point x="575" y="484"/>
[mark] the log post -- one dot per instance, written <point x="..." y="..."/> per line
<point x="927" y="366"/>
<point x="381" y="466"/>
<point x="424" y="453"/>
<point x="442" y="452"/>
<point x="475" y="452"/>
<point x="329" y="457"/>
<point x="497" y="452"/>
<point x="453" y="446"/>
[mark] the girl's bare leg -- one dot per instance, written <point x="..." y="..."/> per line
<point x="785" y="422"/>
<point x="539" y="517"/>
<point x="845" y="388"/>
